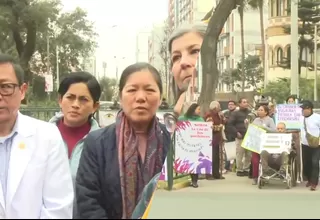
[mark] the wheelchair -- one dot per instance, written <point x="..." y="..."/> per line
<point x="289" y="177"/>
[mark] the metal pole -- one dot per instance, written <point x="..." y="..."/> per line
<point x="48" y="59"/>
<point x="294" y="49"/>
<point x="58" y="71"/>
<point x="315" y="62"/>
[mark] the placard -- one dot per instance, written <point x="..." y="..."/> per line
<point x="253" y="138"/>
<point x="290" y="114"/>
<point x="276" y="143"/>
<point x="193" y="150"/>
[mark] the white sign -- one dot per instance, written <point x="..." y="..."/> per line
<point x="276" y="143"/>
<point x="48" y="83"/>
<point x="193" y="147"/>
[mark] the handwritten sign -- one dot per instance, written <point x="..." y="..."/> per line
<point x="290" y="114"/>
<point x="193" y="150"/>
<point x="276" y="143"/>
<point x="253" y="138"/>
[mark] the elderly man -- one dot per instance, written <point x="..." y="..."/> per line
<point x="216" y="117"/>
<point x="280" y="160"/>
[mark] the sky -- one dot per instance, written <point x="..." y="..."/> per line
<point x="117" y="23"/>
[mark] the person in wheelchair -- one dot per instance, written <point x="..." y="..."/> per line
<point x="280" y="160"/>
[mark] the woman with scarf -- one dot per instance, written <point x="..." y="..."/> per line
<point x="216" y="117"/>
<point x="118" y="161"/>
<point x="193" y="114"/>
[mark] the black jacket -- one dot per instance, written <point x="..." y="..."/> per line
<point x="229" y="130"/>
<point x="237" y="119"/>
<point x="98" y="191"/>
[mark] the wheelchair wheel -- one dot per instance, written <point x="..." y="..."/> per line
<point x="260" y="183"/>
<point x="293" y="172"/>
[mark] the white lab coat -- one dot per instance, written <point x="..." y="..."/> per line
<point x="39" y="180"/>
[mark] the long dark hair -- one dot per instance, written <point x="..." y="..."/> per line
<point x="191" y="110"/>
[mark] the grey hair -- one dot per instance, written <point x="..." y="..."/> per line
<point x="199" y="28"/>
<point x="214" y="105"/>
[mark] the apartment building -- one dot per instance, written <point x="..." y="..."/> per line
<point x="279" y="43"/>
<point x="187" y="11"/>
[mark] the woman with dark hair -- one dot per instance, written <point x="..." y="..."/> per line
<point x="79" y="95"/>
<point x="118" y="161"/>
<point x="264" y="121"/>
<point x="193" y="114"/>
<point x="291" y="99"/>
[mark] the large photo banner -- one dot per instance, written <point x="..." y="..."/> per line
<point x="193" y="150"/>
<point x="291" y="114"/>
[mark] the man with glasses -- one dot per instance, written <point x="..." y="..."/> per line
<point x="35" y="180"/>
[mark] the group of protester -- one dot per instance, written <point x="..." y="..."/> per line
<point x="70" y="168"/>
<point x="235" y="122"/>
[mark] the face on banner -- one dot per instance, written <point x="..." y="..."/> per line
<point x="185" y="52"/>
<point x="185" y="58"/>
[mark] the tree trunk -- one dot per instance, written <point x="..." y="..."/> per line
<point x="263" y="48"/>
<point x="241" y="12"/>
<point x="210" y="73"/>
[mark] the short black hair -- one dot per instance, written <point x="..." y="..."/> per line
<point x="4" y="59"/>
<point x="191" y="110"/>
<point x="232" y="101"/>
<point x="138" y="67"/>
<point x="81" y="77"/>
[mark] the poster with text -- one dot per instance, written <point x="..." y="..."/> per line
<point x="193" y="150"/>
<point x="290" y="114"/>
<point x="253" y="138"/>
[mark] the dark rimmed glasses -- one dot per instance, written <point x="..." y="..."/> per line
<point x="7" y="89"/>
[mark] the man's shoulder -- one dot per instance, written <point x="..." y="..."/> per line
<point x="40" y="128"/>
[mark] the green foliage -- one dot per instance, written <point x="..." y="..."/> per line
<point x="25" y="26"/>
<point x="108" y="88"/>
<point x="253" y="73"/>
<point x="280" y="89"/>
<point x="308" y="13"/>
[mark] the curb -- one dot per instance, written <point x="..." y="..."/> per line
<point x="181" y="185"/>
<point x="176" y="186"/>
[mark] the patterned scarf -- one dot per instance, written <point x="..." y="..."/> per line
<point x="134" y="174"/>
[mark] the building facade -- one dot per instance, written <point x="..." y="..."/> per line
<point x="279" y="42"/>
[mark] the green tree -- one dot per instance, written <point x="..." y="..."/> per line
<point x="108" y="87"/>
<point x="308" y="13"/>
<point x="27" y="24"/>
<point x="71" y="37"/>
<point x="253" y="74"/>
<point x="279" y="90"/>
<point x="21" y="20"/>
<point x="210" y="72"/>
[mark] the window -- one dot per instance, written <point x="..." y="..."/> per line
<point x="279" y="7"/>
<point x="288" y="7"/>
<point x="279" y="55"/>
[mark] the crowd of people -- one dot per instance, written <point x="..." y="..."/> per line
<point x="69" y="167"/>
<point x="232" y="125"/>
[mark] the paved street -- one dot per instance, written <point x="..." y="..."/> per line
<point x="235" y="197"/>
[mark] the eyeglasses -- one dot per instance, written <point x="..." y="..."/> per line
<point x="7" y="89"/>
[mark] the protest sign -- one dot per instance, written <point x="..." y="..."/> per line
<point x="290" y="114"/>
<point x="276" y="143"/>
<point x="193" y="150"/>
<point x="253" y="138"/>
